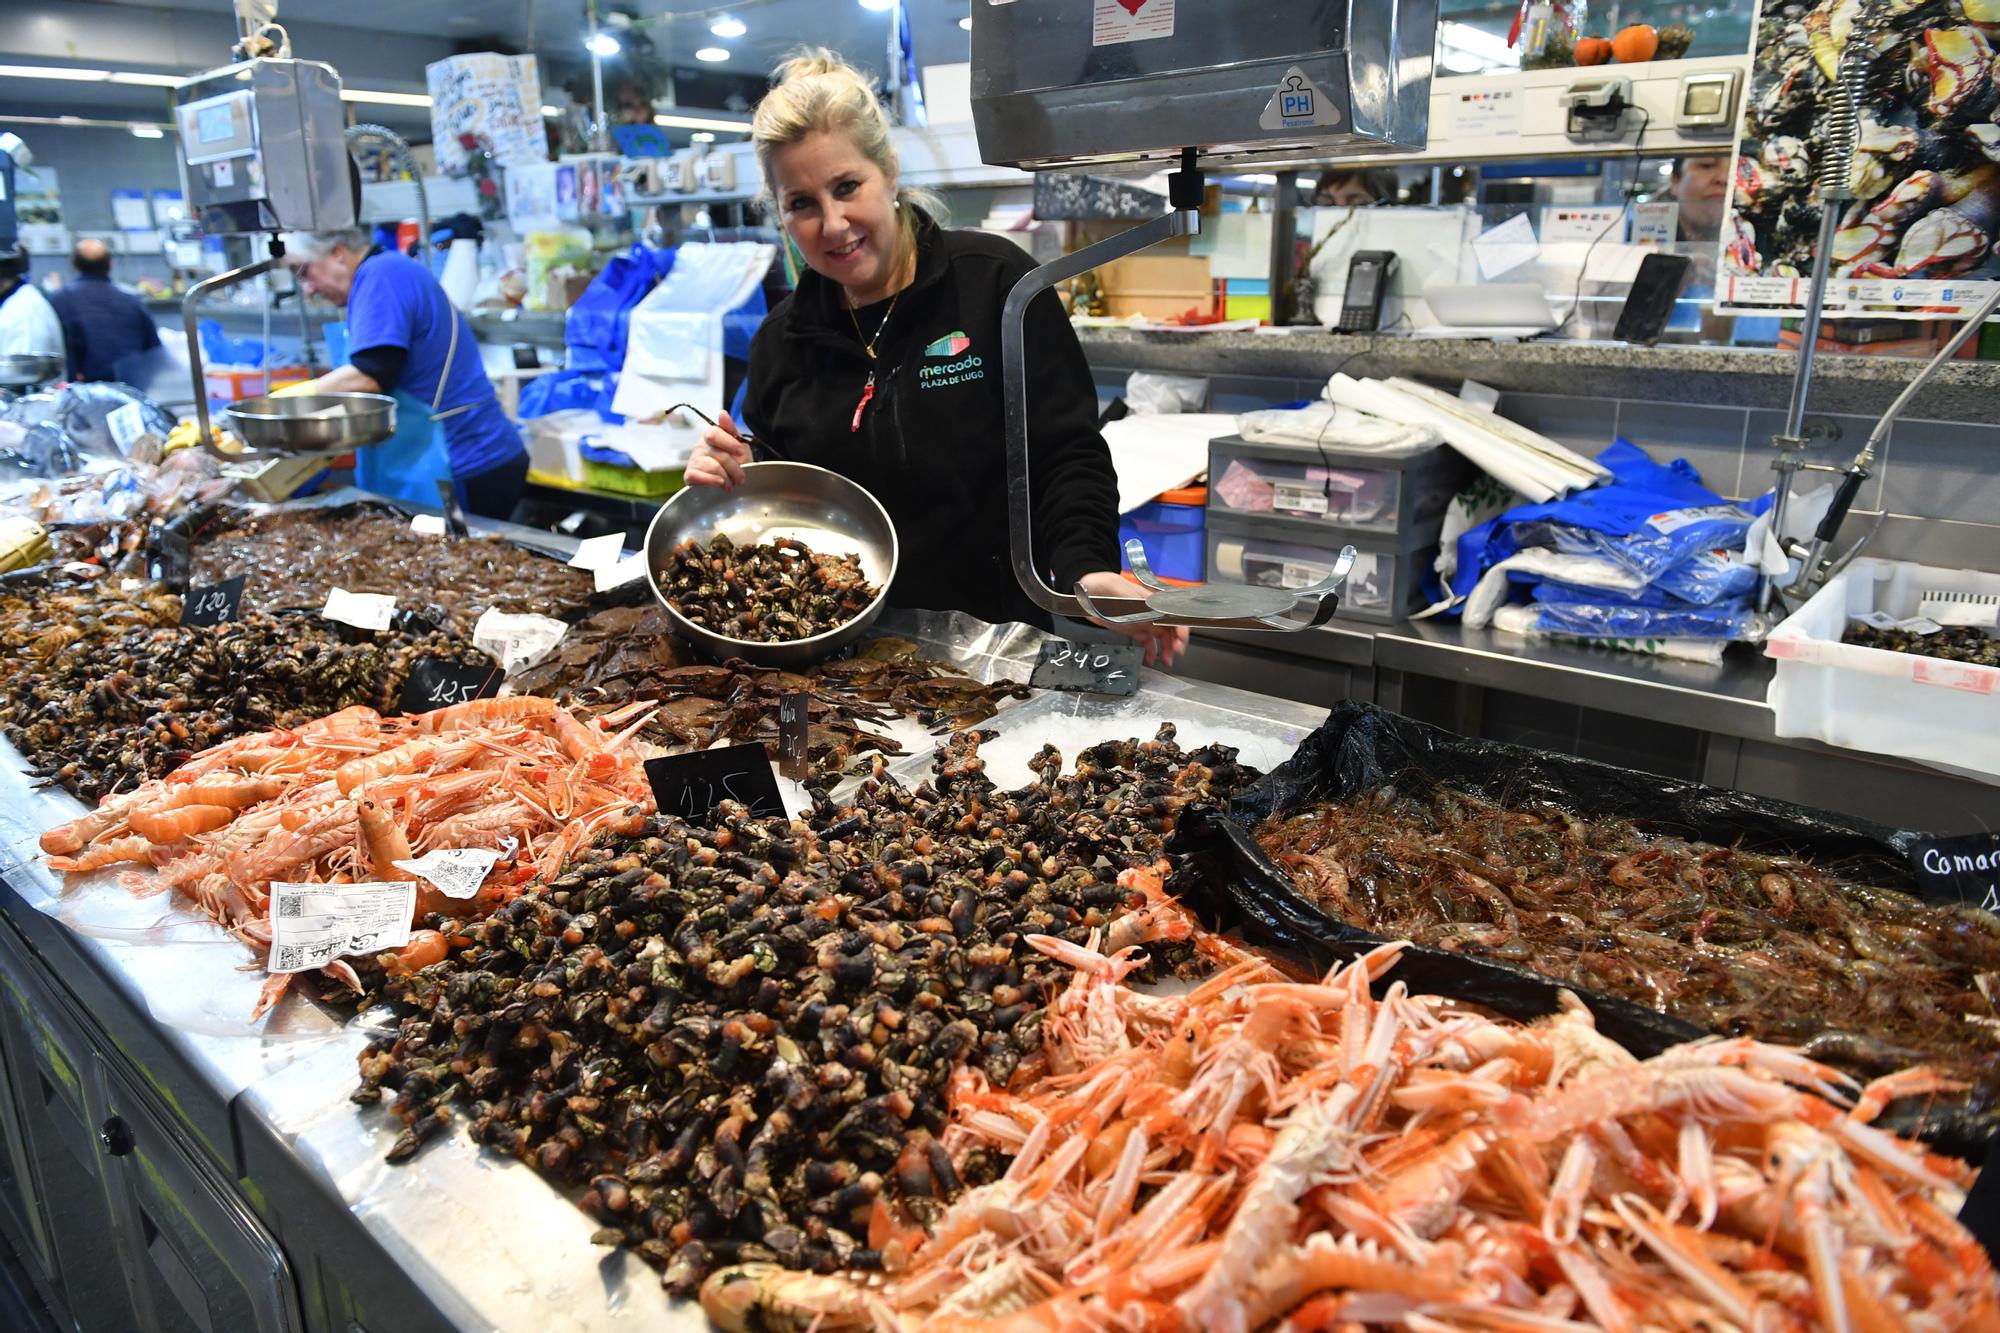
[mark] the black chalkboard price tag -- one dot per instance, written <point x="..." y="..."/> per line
<point x="793" y="711"/>
<point x="690" y="785"/>
<point x="215" y="604"/>
<point x="1963" y="870"/>
<point x="438" y="682"/>
<point x="1099" y="668"/>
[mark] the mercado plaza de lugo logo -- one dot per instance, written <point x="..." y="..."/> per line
<point x="949" y="360"/>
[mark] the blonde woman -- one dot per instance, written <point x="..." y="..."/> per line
<point x="884" y="366"/>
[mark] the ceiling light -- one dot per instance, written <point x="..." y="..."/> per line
<point x="601" y="44"/>
<point x="141" y="130"/>
<point x="702" y="136"/>
<point x="148" y="80"/>
<point x="877" y="4"/>
<point x="679" y="122"/>
<point x="374" y="98"/>
<point x="712" y="54"/>
<point x="966" y="23"/>
<point x="552" y="111"/>
<point x="54" y="72"/>
<point x="727" y="26"/>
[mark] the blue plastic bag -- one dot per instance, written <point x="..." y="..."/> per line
<point x="1703" y="579"/>
<point x="596" y="326"/>
<point x="1726" y="620"/>
<point x="566" y="390"/>
<point x="219" y="349"/>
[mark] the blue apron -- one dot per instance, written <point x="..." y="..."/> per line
<point x="409" y="464"/>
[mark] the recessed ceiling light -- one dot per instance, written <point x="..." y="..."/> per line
<point x="702" y="136"/>
<point x="877" y="4"/>
<point x="601" y="44"/>
<point x="966" y="23"/>
<point x="711" y="54"/>
<point x="726" y="26"/>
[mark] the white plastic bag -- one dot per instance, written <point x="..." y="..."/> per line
<point x="1148" y="394"/>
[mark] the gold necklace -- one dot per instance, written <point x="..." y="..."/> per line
<point x="867" y="343"/>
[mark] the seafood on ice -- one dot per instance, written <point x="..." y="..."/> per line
<point x="343" y="798"/>
<point x="1264" y="1150"/>
<point x="1730" y="940"/>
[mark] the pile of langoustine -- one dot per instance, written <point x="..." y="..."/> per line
<point x="343" y="798"/>
<point x="1262" y="1152"/>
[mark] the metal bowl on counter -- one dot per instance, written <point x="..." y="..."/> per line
<point x="809" y="504"/>
<point x="24" y="371"/>
<point x="312" y="423"/>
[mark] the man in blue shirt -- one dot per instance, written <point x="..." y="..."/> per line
<point x="106" y="332"/>
<point x="403" y="335"/>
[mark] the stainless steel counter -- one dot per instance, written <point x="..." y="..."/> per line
<point x="460" y="1237"/>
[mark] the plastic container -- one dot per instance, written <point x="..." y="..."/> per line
<point x="231" y="384"/>
<point x="603" y="470"/>
<point x="1315" y="487"/>
<point x="1383" y="585"/>
<point x="1173" y="533"/>
<point x="1904" y="704"/>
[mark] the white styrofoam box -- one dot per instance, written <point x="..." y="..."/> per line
<point x="1905" y="704"/>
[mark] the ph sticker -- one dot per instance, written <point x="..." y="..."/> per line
<point x="1297" y="103"/>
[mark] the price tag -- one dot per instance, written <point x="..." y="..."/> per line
<point x="599" y="552"/>
<point x="1964" y="870"/>
<point x="456" y="872"/>
<point x="1100" y="668"/>
<point x="214" y="604"/>
<point x="620" y="574"/>
<point x="793" y="710"/>
<point x="363" y="610"/>
<point x="517" y="641"/>
<point x="690" y="785"/>
<point x="437" y="682"/>
<point x="127" y="425"/>
<point x="1299" y="496"/>
<point x="313" y="924"/>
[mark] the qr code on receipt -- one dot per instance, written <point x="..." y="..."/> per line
<point x="292" y="906"/>
<point x="290" y="957"/>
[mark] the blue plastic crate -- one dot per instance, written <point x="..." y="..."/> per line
<point x="1175" y="538"/>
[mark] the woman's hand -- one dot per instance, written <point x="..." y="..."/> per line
<point x="1163" y="643"/>
<point x="718" y="460"/>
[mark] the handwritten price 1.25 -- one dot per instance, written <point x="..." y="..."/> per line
<point x="452" y="692"/>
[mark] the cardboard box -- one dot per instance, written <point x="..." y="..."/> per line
<point x="1158" y="286"/>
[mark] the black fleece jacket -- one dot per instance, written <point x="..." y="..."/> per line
<point x="931" y="442"/>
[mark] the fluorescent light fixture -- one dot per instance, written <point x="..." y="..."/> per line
<point x="877" y="4"/>
<point x="727" y="26"/>
<point x="676" y="121"/>
<point x="148" y="80"/>
<point x="602" y="45"/>
<point x="141" y="130"/>
<point x="54" y="72"/>
<point x="1666" y="168"/>
<point x="966" y="23"/>
<point x="383" y="98"/>
<point x="712" y="54"/>
<point x="702" y="136"/>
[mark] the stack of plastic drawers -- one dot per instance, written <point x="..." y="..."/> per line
<point x="1278" y="515"/>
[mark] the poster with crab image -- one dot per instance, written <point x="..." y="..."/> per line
<point x="1918" y="240"/>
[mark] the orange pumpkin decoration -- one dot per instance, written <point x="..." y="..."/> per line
<point x="1592" y="50"/>
<point x="1635" y="44"/>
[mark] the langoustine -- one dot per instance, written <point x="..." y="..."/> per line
<point x="1263" y="1150"/>
<point x="345" y="797"/>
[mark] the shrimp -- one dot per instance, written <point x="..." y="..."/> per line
<point x="485" y="712"/>
<point x="171" y="825"/>
<point x="425" y="947"/>
<point x="71" y="838"/>
<point x="135" y="848"/>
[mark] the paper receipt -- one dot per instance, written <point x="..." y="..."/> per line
<point x="313" y="924"/>
<point x="363" y="610"/>
<point x="457" y="872"/>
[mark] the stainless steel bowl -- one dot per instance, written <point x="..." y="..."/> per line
<point x="312" y="423"/>
<point x="20" y="372"/>
<point x="823" y="509"/>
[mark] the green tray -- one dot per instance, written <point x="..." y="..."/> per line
<point x="631" y="480"/>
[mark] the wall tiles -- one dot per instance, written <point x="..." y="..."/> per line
<point x="1942" y="470"/>
<point x="1584" y="424"/>
<point x="1710" y="438"/>
<point x="1757" y="451"/>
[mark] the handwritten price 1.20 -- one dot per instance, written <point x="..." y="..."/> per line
<point x="211" y="603"/>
